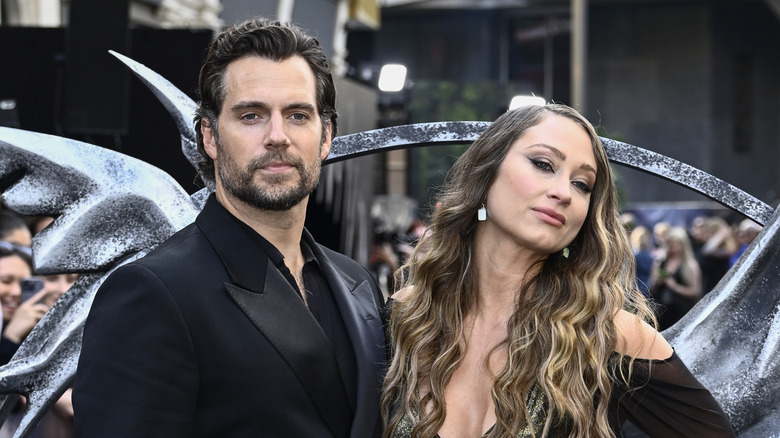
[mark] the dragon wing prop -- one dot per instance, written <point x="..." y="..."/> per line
<point x="111" y="209"/>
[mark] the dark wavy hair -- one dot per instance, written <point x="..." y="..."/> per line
<point x="10" y="222"/>
<point x="267" y="39"/>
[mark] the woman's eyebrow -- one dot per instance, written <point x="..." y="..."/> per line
<point x="561" y="156"/>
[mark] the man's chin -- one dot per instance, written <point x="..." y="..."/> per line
<point x="273" y="201"/>
<point x="269" y="179"/>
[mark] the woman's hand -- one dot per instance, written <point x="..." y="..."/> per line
<point x="26" y="316"/>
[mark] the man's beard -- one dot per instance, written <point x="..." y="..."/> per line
<point x="273" y="195"/>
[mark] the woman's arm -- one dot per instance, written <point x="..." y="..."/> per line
<point x="638" y="339"/>
<point x="663" y="398"/>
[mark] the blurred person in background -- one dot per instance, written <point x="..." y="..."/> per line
<point x="54" y="284"/>
<point x="720" y="244"/>
<point x="628" y="220"/>
<point x="660" y="231"/>
<point x="698" y="238"/>
<point x="22" y="311"/>
<point x="746" y="233"/>
<point x="21" y="297"/>
<point x="675" y="279"/>
<point x="640" y="238"/>
<point x="14" y="229"/>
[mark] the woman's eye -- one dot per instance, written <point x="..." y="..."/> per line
<point x="542" y="164"/>
<point x="586" y="188"/>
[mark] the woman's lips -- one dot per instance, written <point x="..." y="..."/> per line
<point x="550" y="216"/>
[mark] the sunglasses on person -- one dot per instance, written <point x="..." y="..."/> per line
<point x="16" y="247"/>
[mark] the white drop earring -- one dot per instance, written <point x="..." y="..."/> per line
<point x="482" y="214"/>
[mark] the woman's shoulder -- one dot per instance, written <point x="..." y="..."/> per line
<point x="402" y="294"/>
<point x="639" y="339"/>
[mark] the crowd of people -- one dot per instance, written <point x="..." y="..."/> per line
<point x="677" y="265"/>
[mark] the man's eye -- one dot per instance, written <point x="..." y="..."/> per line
<point x="299" y="117"/>
<point x="250" y="117"/>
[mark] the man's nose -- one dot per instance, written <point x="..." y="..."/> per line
<point x="277" y="131"/>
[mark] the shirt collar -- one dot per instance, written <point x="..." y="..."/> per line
<point x="274" y="255"/>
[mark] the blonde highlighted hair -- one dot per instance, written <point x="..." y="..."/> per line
<point x="561" y="335"/>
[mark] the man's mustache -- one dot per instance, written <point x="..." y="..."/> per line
<point x="276" y="157"/>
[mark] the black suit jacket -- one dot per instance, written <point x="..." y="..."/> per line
<point x="203" y="337"/>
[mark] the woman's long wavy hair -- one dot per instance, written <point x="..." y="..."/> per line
<point x="562" y="333"/>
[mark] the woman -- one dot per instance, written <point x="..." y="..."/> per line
<point x="675" y="279"/>
<point x="720" y="244"/>
<point x="520" y="315"/>
<point x="640" y="244"/>
<point x="19" y="317"/>
<point x="13" y="229"/>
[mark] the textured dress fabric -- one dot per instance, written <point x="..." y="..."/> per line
<point x="536" y="407"/>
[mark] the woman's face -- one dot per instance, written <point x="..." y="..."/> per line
<point x="542" y="191"/>
<point x="13" y="269"/>
<point x="674" y="246"/>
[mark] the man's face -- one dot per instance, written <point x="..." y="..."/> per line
<point x="268" y="149"/>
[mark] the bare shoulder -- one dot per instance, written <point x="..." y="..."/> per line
<point x="403" y="294"/>
<point x="638" y="339"/>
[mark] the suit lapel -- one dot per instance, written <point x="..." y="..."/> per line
<point x="361" y="317"/>
<point x="276" y="309"/>
<point x="293" y="331"/>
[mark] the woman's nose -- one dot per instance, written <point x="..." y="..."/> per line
<point x="561" y="191"/>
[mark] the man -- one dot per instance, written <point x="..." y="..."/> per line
<point x="240" y="325"/>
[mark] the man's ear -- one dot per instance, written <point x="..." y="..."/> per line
<point x="325" y="147"/>
<point x="209" y="144"/>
